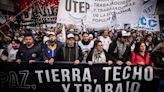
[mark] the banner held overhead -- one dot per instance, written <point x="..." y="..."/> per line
<point x="99" y="13"/>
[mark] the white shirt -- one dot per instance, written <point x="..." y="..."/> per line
<point x="86" y="47"/>
<point x="106" y="42"/>
<point x="12" y="54"/>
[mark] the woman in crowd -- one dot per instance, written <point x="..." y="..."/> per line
<point x="140" y="55"/>
<point x="12" y="49"/>
<point x="98" y="54"/>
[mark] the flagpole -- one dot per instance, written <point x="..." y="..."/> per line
<point x="82" y="24"/>
<point x="63" y="33"/>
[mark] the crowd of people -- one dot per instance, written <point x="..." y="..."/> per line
<point x="134" y="47"/>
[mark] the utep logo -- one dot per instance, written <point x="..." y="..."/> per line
<point x="77" y="8"/>
<point x="151" y="22"/>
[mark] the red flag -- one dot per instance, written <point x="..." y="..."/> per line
<point x="56" y="2"/>
<point x="22" y="4"/>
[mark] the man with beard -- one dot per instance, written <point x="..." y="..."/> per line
<point x="52" y="46"/>
<point x="119" y="50"/>
<point x="29" y="52"/>
<point x="85" y="45"/>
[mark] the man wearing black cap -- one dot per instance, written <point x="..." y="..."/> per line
<point x="29" y="52"/>
<point x="70" y="51"/>
<point x="119" y="51"/>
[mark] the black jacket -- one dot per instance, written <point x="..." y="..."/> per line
<point x="47" y="51"/>
<point x="33" y="53"/>
<point x="114" y="56"/>
<point x="69" y="53"/>
<point x="158" y="59"/>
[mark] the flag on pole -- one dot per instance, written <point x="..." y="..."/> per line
<point x="63" y="34"/>
<point x="83" y="27"/>
<point x="114" y="16"/>
<point x="149" y="8"/>
<point x="114" y="21"/>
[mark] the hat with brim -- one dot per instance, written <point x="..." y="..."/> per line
<point x="70" y="36"/>
<point x="123" y="34"/>
<point x="51" y="33"/>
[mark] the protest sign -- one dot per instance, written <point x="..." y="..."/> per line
<point x="76" y="78"/>
<point x="99" y="13"/>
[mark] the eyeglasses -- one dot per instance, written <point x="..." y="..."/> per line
<point x="99" y="45"/>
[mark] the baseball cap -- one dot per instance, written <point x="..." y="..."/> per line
<point x="51" y="33"/>
<point x="124" y="33"/>
<point x="70" y="36"/>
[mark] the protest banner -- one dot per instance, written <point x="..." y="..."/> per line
<point x="149" y="23"/>
<point x="99" y="13"/>
<point x="37" y="12"/>
<point x="62" y="77"/>
<point x="148" y="20"/>
<point x="149" y="8"/>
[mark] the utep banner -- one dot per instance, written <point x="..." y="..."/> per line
<point x="76" y="78"/>
<point x="99" y="13"/>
